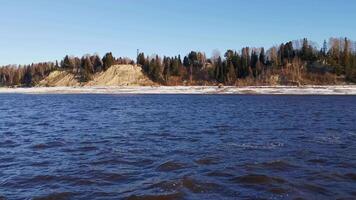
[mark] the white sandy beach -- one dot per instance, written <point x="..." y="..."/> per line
<point x="275" y="90"/>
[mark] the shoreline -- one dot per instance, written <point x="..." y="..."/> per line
<point x="258" y="90"/>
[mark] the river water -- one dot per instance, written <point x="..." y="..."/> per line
<point x="177" y="147"/>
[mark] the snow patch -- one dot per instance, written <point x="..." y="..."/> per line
<point x="273" y="90"/>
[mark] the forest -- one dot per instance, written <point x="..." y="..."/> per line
<point x="293" y="63"/>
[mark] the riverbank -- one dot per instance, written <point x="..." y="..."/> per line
<point x="276" y="90"/>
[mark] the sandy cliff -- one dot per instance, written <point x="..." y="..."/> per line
<point x="58" y="79"/>
<point x="116" y="75"/>
<point x="121" y="75"/>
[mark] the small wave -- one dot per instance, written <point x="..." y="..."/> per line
<point x="7" y="159"/>
<point x="189" y="183"/>
<point x="42" y="124"/>
<point x="326" y="176"/>
<point x="8" y="144"/>
<point x="206" y="161"/>
<point x="257" y="146"/>
<point x="352" y="134"/>
<point x="351" y="176"/>
<point x="173" y="196"/>
<point x="289" y="129"/>
<point x="255" y="179"/>
<point x="40" y="164"/>
<point x="43" y="178"/>
<point x="171" y="166"/>
<point x="318" y="160"/>
<point x="8" y="132"/>
<point x="143" y="162"/>
<point x="48" y="145"/>
<point x="56" y="196"/>
<point x="279" y="165"/>
<point x="199" y="187"/>
<point x="40" y="146"/>
<point x="106" y="162"/>
<point x="219" y="174"/>
<point x="84" y="182"/>
<point x="328" y="139"/>
<point x="347" y="165"/>
<point x="88" y="148"/>
<point x="111" y="177"/>
<point x="315" y="189"/>
<point x="278" y="190"/>
<point x="166" y="185"/>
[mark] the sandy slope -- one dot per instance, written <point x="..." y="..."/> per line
<point x="59" y="79"/>
<point x="121" y="75"/>
<point x="276" y="90"/>
<point x="116" y="75"/>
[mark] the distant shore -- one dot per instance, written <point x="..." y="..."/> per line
<point x="266" y="90"/>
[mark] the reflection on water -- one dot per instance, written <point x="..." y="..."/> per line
<point x="177" y="147"/>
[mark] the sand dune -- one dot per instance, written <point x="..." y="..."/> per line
<point x="116" y="75"/>
<point x="121" y="75"/>
<point x="59" y="79"/>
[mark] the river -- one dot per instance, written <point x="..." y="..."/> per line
<point x="177" y="147"/>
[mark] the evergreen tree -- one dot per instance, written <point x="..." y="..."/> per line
<point x="346" y="53"/>
<point x="67" y="63"/>
<point x="108" y="61"/>
<point x="97" y="63"/>
<point x="254" y="60"/>
<point x="86" y="69"/>
<point x="231" y="74"/>
<point x="325" y="48"/>
<point x="141" y="59"/>
<point x="219" y="70"/>
<point x="27" y="78"/>
<point x="307" y="53"/>
<point x="262" y="56"/>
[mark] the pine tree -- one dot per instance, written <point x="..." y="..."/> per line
<point x="307" y="52"/>
<point x="141" y="59"/>
<point x="27" y="78"/>
<point x="219" y="70"/>
<point x="97" y="63"/>
<point x="254" y="60"/>
<point x="262" y="56"/>
<point x="108" y="61"/>
<point x="67" y="63"/>
<point x="86" y="69"/>
<point x="325" y="48"/>
<point x="231" y="73"/>
<point x="346" y="53"/>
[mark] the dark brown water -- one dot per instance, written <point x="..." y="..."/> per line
<point x="177" y="147"/>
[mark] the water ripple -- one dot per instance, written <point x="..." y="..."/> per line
<point x="177" y="147"/>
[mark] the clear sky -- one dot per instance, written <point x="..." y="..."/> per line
<point x="46" y="30"/>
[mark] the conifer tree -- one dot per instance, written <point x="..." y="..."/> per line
<point x="108" y="61"/>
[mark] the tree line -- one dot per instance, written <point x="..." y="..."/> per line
<point x="83" y="68"/>
<point x="294" y="62"/>
<point x="291" y="63"/>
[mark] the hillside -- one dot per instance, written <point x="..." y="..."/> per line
<point x="121" y="75"/>
<point x="116" y="75"/>
<point x="293" y="63"/>
<point x="58" y="79"/>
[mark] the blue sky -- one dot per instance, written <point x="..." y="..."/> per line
<point x="46" y="30"/>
